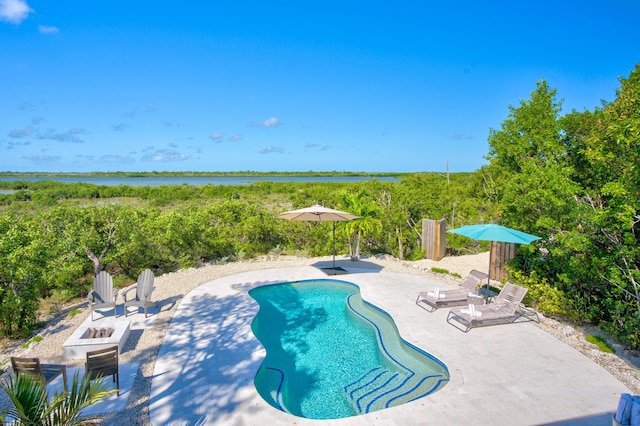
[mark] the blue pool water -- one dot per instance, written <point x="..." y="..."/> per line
<point x="332" y="355"/>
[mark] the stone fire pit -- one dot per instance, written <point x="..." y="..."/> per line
<point x="99" y="336"/>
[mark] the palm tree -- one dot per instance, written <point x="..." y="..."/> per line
<point x="358" y="204"/>
<point x="33" y="406"/>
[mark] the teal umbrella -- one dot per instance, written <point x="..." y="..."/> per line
<point x="492" y="232"/>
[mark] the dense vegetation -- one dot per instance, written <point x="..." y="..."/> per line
<point x="573" y="180"/>
<point x="197" y="174"/>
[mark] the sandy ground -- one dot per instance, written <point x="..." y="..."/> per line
<point x="143" y="345"/>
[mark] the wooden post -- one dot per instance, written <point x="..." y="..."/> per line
<point x="500" y="253"/>
<point x="434" y="242"/>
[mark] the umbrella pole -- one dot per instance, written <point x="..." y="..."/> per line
<point x="490" y="256"/>
<point x="334" y="246"/>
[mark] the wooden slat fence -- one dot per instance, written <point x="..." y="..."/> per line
<point x="500" y="253"/>
<point x="434" y="241"/>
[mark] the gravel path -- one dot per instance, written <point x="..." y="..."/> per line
<point x="143" y="345"/>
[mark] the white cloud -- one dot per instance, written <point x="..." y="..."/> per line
<point x="41" y="158"/>
<point x="21" y="133"/>
<point x="14" y="11"/>
<point x="11" y="144"/>
<point x="311" y="146"/>
<point x="48" y="29"/>
<point x="70" y="136"/>
<point x="119" y="127"/>
<point x="216" y="136"/>
<point x="462" y="136"/>
<point x="269" y="122"/>
<point x="164" y="156"/>
<point x="272" y="122"/>
<point x="272" y="150"/>
<point x="116" y="158"/>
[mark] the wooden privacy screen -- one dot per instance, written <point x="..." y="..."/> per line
<point x="500" y="253"/>
<point x="434" y="241"/>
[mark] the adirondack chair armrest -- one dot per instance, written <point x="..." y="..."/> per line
<point x="124" y="293"/>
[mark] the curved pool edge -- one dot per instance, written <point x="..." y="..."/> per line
<point x="470" y="357"/>
<point x="269" y="380"/>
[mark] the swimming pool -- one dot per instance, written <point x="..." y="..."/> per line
<point x="332" y="355"/>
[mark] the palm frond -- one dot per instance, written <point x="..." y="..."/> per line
<point x="33" y="406"/>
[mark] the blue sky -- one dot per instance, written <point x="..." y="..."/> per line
<point x="206" y="85"/>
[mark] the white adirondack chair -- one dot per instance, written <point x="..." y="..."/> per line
<point x="103" y="295"/>
<point x="143" y="289"/>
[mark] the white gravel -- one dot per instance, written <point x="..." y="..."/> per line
<point x="171" y="288"/>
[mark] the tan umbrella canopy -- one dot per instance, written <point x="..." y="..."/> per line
<point x="318" y="213"/>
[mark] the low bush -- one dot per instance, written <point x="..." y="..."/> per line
<point x="600" y="342"/>
<point x="545" y="298"/>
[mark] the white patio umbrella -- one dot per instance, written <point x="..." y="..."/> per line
<point x="318" y="213"/>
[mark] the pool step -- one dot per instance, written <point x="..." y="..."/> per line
<point x="379" y="388"/>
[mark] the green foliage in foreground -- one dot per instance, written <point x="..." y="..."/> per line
<point x="32" y="404"/>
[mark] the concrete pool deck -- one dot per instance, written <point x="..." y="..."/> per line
<point x="513" y="374"/>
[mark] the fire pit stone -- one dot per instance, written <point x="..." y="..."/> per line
<point x="86" y="339"/>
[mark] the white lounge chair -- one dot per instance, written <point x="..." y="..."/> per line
<point x="431" y="301"/>
<point x="504" y="309"/>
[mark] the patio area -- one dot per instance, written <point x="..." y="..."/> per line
<point x="514" y="374"/>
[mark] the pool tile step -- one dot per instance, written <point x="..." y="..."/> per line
<point x="379" y="388"/>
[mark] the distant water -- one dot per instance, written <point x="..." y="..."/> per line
<point x="201" y="180"/>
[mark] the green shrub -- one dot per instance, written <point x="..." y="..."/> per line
<point x="35" y="339"/>
<point x="60" y="295"/>
<point x="415" y="254"/>
<point x="541" y="295"/>
<point x="445" y="271"/>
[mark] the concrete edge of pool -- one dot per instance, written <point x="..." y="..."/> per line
<point x="509" y="374"/>
<point x="330" y="354"/>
